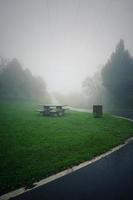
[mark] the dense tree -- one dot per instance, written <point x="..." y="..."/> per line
<point x="19" y="83"/>
<point x="117" y="77"/>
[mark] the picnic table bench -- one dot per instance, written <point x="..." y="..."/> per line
<point x="52" y="110"/>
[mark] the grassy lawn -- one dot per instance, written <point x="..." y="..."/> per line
<point x="33" y="147"/>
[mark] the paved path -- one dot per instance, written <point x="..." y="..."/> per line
<point x="110" y="178"/>
<point x="81" y="109"/>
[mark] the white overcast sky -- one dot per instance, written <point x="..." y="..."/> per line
<point x="64" y="40"/>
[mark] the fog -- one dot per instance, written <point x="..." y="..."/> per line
<point x="64" y="41"/>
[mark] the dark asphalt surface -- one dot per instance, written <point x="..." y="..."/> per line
<point x="110" y="178"/>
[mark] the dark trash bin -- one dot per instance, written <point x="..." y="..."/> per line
<point x="97" y="110"/>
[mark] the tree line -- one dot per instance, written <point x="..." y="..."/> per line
<point x="19" y="83"/>
<point x="113" y="85"/>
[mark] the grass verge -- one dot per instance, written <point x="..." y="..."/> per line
<point x="33" y="147"/>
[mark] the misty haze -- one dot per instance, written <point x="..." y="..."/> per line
<point x="66" y="97"/>
<point x="64" y="41"/>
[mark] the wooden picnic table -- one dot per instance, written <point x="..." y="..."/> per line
<point x="52" y="110"/>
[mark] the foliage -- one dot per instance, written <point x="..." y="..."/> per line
<point x="117" y="76"/>
<point x="19" y="83"/>
<point x="33" y="147"/>
<point x="93" y="88"/>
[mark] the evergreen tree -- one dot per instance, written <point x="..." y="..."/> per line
<point x="19" y="83"/>
<point x="117" y="77"/>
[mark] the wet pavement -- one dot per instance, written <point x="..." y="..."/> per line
<point x="109" y="178"/>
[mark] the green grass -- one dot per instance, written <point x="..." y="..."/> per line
<point x="33" y="147"/>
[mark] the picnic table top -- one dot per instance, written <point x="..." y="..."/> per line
<point x="52" y="105"/>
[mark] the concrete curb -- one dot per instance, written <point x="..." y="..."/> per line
<point x="22" y="190"/>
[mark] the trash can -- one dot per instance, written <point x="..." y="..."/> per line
<point x="97" y="110"/>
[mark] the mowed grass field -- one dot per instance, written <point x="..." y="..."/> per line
<point x="33" y="147"/>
